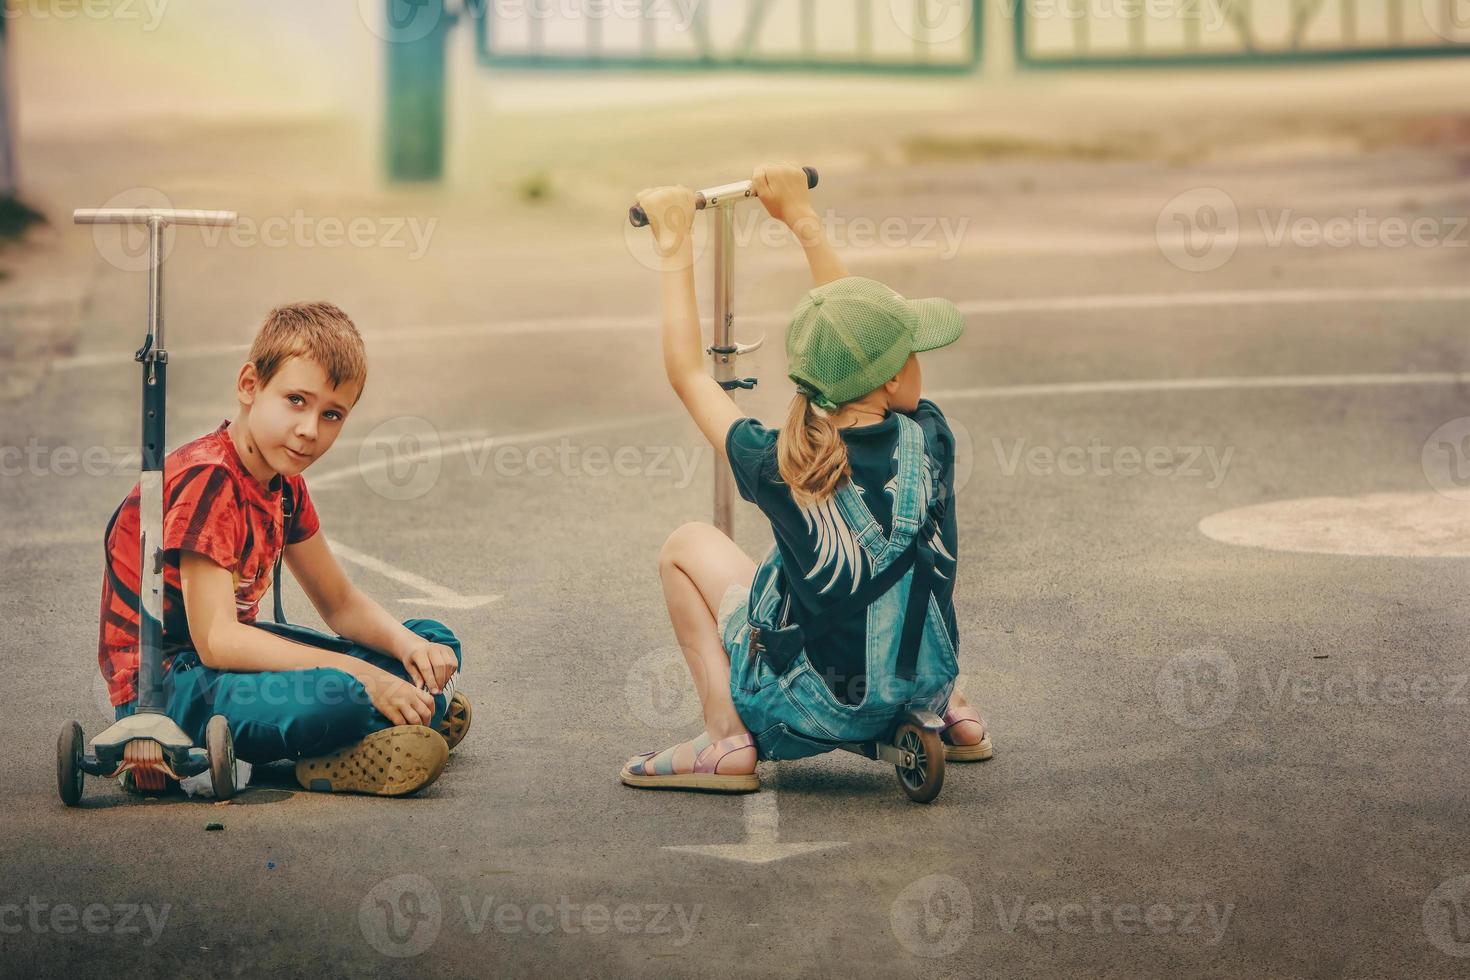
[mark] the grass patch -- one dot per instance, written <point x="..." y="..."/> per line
<point x="535" y="188"/>
<point x="931" y="148"/>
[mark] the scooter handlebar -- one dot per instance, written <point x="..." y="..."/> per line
<point x="141" y="216"/>
<point x="714" y="195"/>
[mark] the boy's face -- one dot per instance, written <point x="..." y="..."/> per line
<point x="297" y="416"/>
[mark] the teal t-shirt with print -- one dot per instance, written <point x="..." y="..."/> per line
<point x="817" y="541"/>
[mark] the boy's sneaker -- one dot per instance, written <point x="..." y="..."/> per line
<point x="392" y="762"/>
<point x="456" y="720"/>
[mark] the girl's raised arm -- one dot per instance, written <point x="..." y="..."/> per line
<point x="670" y="213"/>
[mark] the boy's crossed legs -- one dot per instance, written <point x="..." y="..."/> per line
<point x="321" y="717"/>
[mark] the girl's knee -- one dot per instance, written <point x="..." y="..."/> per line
<point x="683" y="540"/>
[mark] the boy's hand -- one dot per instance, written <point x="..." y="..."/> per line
<point x="783" y="191"/>
<point x="670" y="212"/>
<point x="431" y="665"/>
<point x="398" y="700"/>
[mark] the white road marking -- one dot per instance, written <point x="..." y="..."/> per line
<point x="997" y="307"/>
<point x="433" y="593"/>
<point x="762" y="844"/>
<point x="1402" y="525"/>
<point x="1204" y="384"/>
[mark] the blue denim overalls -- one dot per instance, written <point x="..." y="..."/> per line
<point x="794" y="714"/>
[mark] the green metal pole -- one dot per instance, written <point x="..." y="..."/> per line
<point x="413" y="129"/>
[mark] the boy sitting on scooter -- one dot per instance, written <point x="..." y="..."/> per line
<point x="377" y="717"/>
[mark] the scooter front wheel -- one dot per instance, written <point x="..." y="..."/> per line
<point x="923" y="780"/>
<point x="69" y="774"/>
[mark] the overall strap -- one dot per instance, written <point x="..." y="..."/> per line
<point x="288" y="511"/>
<point x="908" y="503"/>
<point x="921" y="589"/>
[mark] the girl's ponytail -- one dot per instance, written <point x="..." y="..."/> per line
<point x="810" y="453"/>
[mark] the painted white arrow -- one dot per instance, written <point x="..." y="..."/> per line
<point x="762" y="836"/>
<point x="433" y="593"/>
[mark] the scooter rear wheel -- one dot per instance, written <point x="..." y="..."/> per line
<point x="923" y="781"/>
<point x="221" y="747"/>
<point x="69" y="774"/>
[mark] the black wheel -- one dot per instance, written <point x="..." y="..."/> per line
<point x="69" y="774"/>
<point x="925" y="779"/>
<point x="221" y="747"/>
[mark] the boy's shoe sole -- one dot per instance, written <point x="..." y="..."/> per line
<point x="978" y="752"/>
<point x="392" y="762"/>
<point x="456" y="720"/>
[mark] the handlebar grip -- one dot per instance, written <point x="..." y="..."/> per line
<point x="638" y="219"/>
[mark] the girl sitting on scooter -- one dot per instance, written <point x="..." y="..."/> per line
<point x="849" y="619"/>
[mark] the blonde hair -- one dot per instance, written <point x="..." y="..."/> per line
<point x="810" y="453"/>
<point x="318" y="331"/>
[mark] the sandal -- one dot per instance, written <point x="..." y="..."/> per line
<point x="978" y="752"/>
<point x="655" y="770"/>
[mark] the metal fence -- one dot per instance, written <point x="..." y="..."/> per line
<point x="892" y="36"/>
<point x="1137" y="33"/>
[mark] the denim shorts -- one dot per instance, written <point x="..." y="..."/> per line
<point x="735" y="599"/>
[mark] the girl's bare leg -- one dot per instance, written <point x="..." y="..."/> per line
<point x="697" y="564"/>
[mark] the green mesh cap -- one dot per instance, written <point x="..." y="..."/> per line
<point x="851" y="335"/>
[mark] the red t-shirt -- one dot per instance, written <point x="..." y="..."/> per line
<point x="213" y="506"/>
